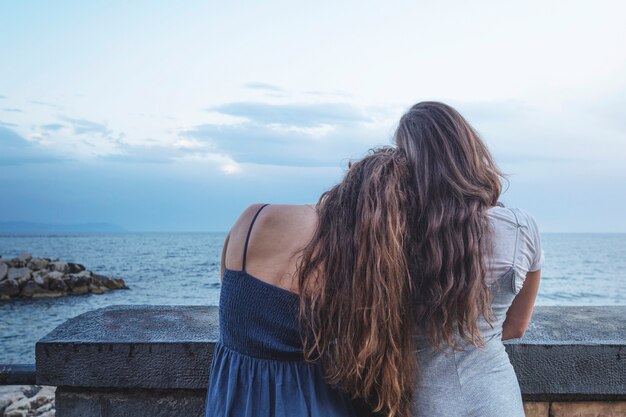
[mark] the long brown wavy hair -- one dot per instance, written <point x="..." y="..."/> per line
<point x="398" y="251"/>
<point x="355" y="283"/>
<point x="456" y="180"/>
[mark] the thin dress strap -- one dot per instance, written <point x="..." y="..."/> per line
<point x="245" y="248"/>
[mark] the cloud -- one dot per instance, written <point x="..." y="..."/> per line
<point x="302" y="115"/>
<point x="15" y="150"/>
<point x="7" y="124"/>
<point x="339" y="93"/>
<point x="156" y="153"/>
<point x="311" y="135"/>
<point x="265" y="144"/>
<point x="52" y="127"/>
<point x="43" y="103"/>
<point x="83" y="126"/>
<point x="1" y="96"/>
<point x="13" y="110"/>
<point x="264" y="86"/>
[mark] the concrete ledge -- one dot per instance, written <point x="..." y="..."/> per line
<point x="569" y="353"/>
<point x="74" y="402"/>
<point x="168" y="347"/>
<point x="572" y="353"/>
<point x="18" y="374"/>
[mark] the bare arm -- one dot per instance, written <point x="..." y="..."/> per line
<point x="519" y="314"/>
<point x="223" y="262"/>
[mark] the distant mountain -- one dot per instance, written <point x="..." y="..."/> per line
<point x="28" y="227"/>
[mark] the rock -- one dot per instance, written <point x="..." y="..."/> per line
<point x="55" y="275"/>
<point x="18" y="273"/>
<point x="46" y="407"/>
<point x="97" y="289"/>
<point x="58" y="266"/>
<point x="37" y="264"/>
<point x="30" y="288"/>
<point x="23" y="280"/>
<point x="8" y="395"/>
<point x="39" y="404"/>
<point x="75" y="268"/>
<point x="9" y="288"/>
<point x="98" y="279"/>
<point x="16" y="413"/>
<point x="78" y="284"/>
<point x="43" y="397"/>
<point x="83" y="274"/>
<point x="43" y="293"/>
<point x="56" y="281"/>
<point x="40" y="279"/>
<point x="15" y="263"/>
<point x="24" y="257"/>
<point x="120" y="283"/>
<point x="30" y="390"/>
<point x="4" y="268"/>
<point x="43" y="277"/>
<point x="80" y="289"/>
<point x="78" y="280"/>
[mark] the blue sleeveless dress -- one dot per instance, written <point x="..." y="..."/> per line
<point x="258" y="368"/>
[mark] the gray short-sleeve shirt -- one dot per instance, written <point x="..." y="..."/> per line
<point x="523" y="251"/>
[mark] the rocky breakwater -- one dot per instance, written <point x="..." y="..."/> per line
<point x="28" y="277"/>
<point x="27" y="401"/>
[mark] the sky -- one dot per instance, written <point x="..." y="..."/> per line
<point x="175" y="116"/>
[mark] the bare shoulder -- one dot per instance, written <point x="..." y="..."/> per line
<point x="276" y="214"/>
<point x="279" y="233"/>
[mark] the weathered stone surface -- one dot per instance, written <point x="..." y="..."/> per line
<point x="120" y="283"/>
<point x="18" y="273"/>
<point x="136" y="403"/>
<point x="82" y="274"/>
<point x="4" y="268"/>
<point x="97" y="289"/>
<point x="9" y="288"/>
<point x="40" y="279"/>
<point x="27" y="400"/>
<point x="15" y="263"/>
<point x="588" y="409"/>
<point x="56" y="283"/>
<point x="167" y="347"/>
<point x="58" y="266"/>
<point x="110" y="283"/>
<point x="79" y="289"/>
<point x="75" y="268"/>
<point x="54" y="275"/>
<point x="24" y="257"/>
<point x="38" y="264"/>
<point x="30" y="288"/>
<point x="572" y="353"/>
<point x="536" y="409"/>
<point x="171" y="346"/>
<point x="43" y="293"/>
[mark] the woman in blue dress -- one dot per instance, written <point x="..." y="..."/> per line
<point x="363" y="304"/>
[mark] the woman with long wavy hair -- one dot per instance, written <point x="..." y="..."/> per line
<point x="387" y="298"/>
<point x="315" y="303"/>
<point x="477" y="269"/>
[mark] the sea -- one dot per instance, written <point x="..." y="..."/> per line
<point x="183" y="269"/>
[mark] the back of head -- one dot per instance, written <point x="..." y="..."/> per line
<point x="355" y="283"/>
<point x="455" y="181"/>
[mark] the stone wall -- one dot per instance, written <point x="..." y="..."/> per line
<point x="154" y="361"/>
